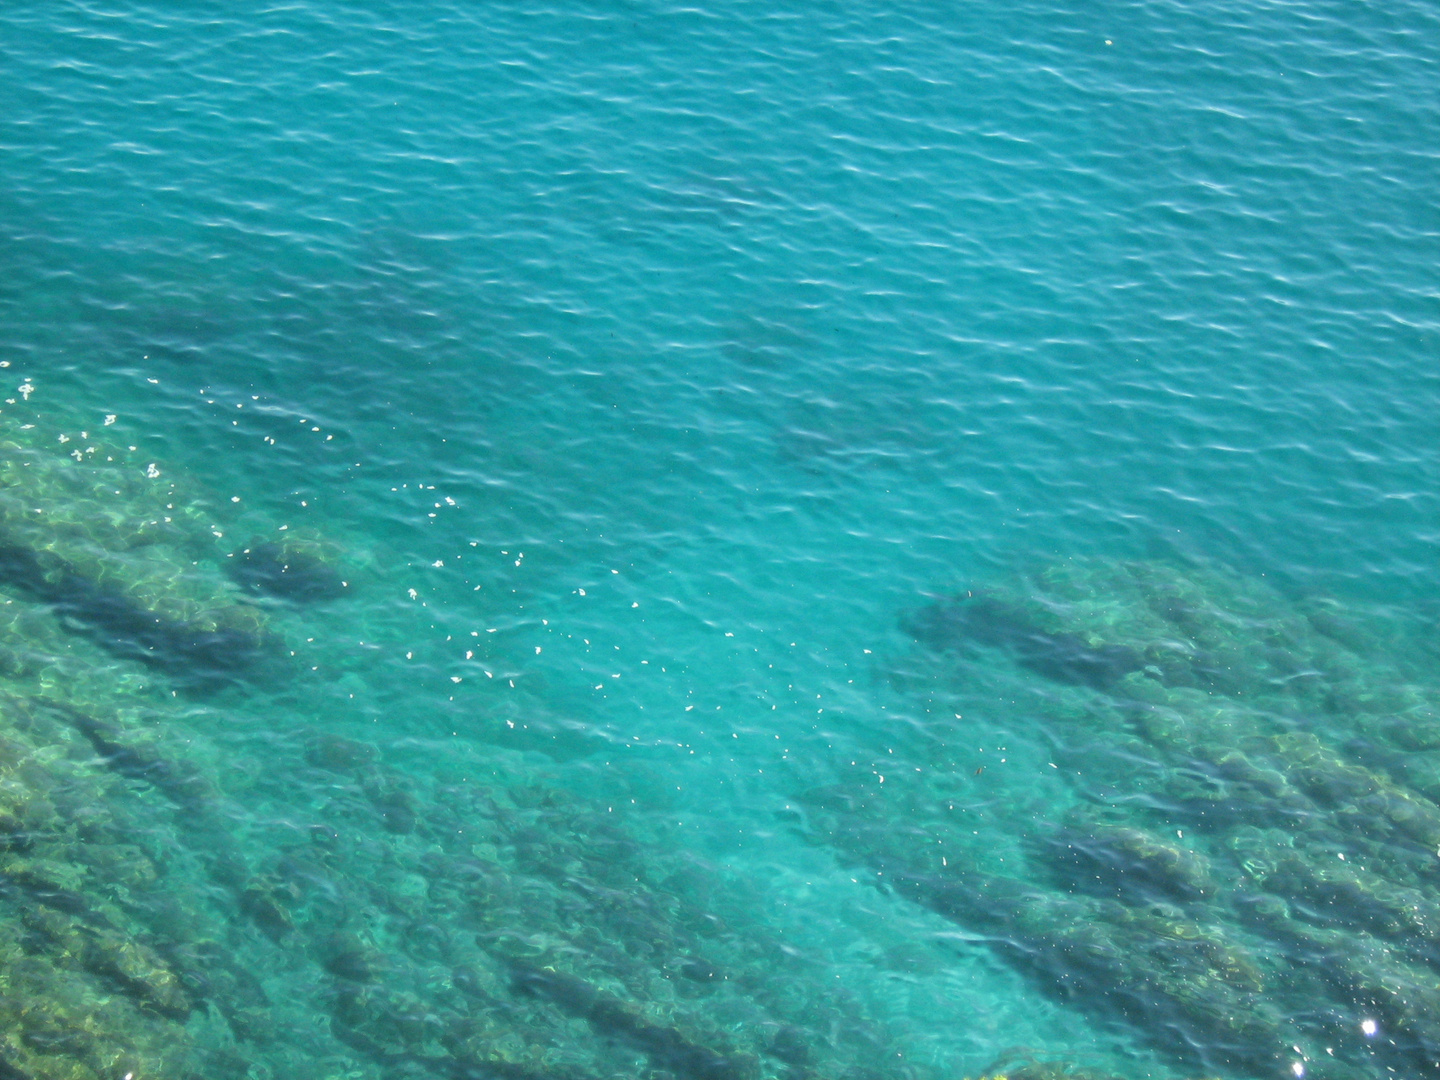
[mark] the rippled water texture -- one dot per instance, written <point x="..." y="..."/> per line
<point x="829" y="542"/>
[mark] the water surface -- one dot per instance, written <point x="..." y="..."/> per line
<point x="664" y="385"/>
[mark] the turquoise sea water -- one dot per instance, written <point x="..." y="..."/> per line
<point x="666" y="384"/>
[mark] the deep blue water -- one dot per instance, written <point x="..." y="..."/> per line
<point x="647" y="364"/>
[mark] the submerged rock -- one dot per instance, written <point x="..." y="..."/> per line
<point x="1127" y="862"/>
<point x="297" y="571"/>
<point x="122" y="553"/>
<point x="963" y="624"/>
<point x="1251" y="848"/>
<point x="207" y="654"/>
<point x="346" y="955"/>
<point x="667" y="1047"/>
<point x="337" y="753"/>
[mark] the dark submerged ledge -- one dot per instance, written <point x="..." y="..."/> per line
<point x="203" y="658"/>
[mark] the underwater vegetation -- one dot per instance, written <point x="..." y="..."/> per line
<point x="170" y="909"/>
<point x="1245" y="860"/>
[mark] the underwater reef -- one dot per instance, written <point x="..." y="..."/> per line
<point x="121" y="553"/>
<point x="172" y="909"/>
<point x="1229" y="847"/>
<point x="496" y="926"/>
<point x="1238" y="851"/>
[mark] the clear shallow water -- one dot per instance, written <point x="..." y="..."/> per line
<point x="646" y="367"/>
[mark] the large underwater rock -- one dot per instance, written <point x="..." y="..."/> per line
<point x="297" y="571"/>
